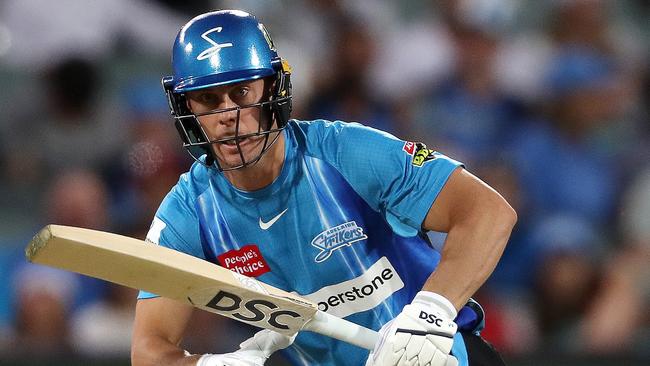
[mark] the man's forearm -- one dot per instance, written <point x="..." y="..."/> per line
<point x="470" y="254"/>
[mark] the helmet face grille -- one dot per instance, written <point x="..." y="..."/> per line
<point x="198" y="144"/>
<point x="220" y="48"/>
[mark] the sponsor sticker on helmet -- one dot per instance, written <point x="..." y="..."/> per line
<point x="421" y="154"/>
<point x="247" y="261"/>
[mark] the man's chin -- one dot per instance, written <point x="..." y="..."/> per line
<point x="238" y="165"/>
<point x="233" y="161"/>
<point x="229" y="157"/>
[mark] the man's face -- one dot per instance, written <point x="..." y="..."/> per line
<point x="223" y="125"/>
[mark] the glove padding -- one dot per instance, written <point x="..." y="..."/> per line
<point x="422" y="334"/>
<point x="252" y="352"/>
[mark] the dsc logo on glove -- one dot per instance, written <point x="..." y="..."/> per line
<point x="431" y="318"/>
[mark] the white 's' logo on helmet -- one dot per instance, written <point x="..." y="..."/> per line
<point x="215" y="46"/>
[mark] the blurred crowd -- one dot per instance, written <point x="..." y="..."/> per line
<point x="547" y="101"/>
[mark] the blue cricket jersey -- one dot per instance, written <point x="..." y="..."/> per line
<point x="341" y="226"/>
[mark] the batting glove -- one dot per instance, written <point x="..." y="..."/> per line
<point x="422" y="334"/>
<point x="252" y="352"/>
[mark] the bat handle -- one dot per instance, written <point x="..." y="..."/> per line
<point x="343" y="330"/>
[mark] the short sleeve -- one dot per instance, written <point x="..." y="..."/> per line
<point x="399" y="178"/>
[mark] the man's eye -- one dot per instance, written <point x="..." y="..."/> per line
<point x="242" y="92"/>
<point x="207" y="98"/>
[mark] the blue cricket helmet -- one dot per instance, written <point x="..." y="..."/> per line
<point x="222" y="47"/>
<point x="219" y="48"/>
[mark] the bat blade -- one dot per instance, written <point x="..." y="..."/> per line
<point x="141" y="265"/>
<point x="146" y="266"/>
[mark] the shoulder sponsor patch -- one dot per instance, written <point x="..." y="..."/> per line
<point x="419" y="151"/>
<point x="359" y="294"/>
<point x="336" y="238"/>
<point x="409" y="147"/>
<point x="247" y="261"/>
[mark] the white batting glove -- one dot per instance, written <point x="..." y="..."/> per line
<point x="252" y="352"/>
<point x="422" y="334"/>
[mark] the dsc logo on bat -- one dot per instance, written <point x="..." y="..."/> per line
<point x="252" y="311"/>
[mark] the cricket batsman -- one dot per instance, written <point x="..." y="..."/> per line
<point x="336" y="212"/>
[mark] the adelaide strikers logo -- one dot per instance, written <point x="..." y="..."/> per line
<point x="336" y="238"/>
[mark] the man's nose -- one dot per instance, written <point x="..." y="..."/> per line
<point x="229" y="115"/>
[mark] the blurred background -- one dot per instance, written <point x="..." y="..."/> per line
<point x="547" y="101"/>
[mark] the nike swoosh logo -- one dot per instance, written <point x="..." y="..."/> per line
<point x="266" y="225"/>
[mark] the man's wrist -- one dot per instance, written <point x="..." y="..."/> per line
<point x="429" y="298"/>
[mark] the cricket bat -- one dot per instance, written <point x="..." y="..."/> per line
<point x="172" y="274"/>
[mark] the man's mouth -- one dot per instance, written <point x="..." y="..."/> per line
<point x="233" y="141"/>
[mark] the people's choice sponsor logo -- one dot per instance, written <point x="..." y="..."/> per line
<point x="215" y="46"/>
<point x="363" y="293"/>
<point x="247" y="261"/>
<point x="336" y="238"/>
